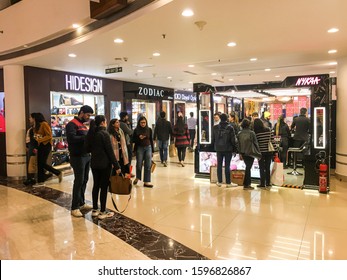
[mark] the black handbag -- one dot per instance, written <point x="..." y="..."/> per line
<point x="120" y="185"/>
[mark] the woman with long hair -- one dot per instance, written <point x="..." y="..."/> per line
<point x="143" y="140"/>
<point x="44" y="138"/>
<point x="182" y="140"/>
<point x="119" y="145"/>
<point x="98" y="142"/>
<point x="282" y="130"/>
<point x="264" y="136"/>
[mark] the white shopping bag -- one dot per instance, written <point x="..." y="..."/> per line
<point x="277" y="177"/>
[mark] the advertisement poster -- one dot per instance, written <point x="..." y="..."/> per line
<point x="2" y="112"/>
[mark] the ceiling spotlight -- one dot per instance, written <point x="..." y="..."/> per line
<point x="231" y="44"/>
<point x="277" y="76"/>
<point x="118" y="41"/>
<point x="76" y="25"/>
<point x="231" y="79"/>
<point x="169" y="78"/>
<point x="156" y="54"/>
<point x="332" y="72"/>
<point x="214" y="74"/>
<point x="187" y="13"/>
<point x="333" y="30"/>
<point x="253" y="59"/>
<point x="191" y="65"/>
<point x="267" y="69"/>
<point x="333" y="63"/>
<point x="72" y="55"/>
<point x="140" y="71"/>
<point x="332" y="51"/>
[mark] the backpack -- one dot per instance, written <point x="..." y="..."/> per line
<point x="223" y="138"/>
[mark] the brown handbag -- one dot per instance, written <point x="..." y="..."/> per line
<point x="153" y="166"/>
<point x="122" y="186"/>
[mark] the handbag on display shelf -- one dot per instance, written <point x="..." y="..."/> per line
<point x="153" y="166"/>
<point x="120" y="185"/>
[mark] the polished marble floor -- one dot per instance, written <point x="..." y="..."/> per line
<point x="180" y="218"/>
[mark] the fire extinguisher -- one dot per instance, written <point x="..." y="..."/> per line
<point x="323" y="177"/>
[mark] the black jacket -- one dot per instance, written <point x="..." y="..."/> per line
<point x="246" y="138"/>
<point x="101" y="150"/>
<point x="162" y="130"/>
<point x="223" y="138"/>
<point x="76" y="133"/>
<point x="302" y="127"/>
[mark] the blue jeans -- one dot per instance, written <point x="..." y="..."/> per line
<point x="227" y="157"/>
<point x="163" y="149"/>
<point x="144" y="154"/>
<point x="80" y="165"/>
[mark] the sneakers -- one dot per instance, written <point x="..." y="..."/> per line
<point x="219" y="184"/>
<point x="29" y="181"/>
<point x="135" y="181"/>
<point x="60" y="177"/>
<point x="42" y="184"/>
<point x="232" y="185"/>
<point x="261" y="186"/>
<point x="95" y="213"/>
<point x="86" y="207"/>
<point x="104" y="215"/>
<point x="165" y="164"/>
<point x="248" y="188"/>
<point x="148" y="185"/>
<point x="76" y="213"/>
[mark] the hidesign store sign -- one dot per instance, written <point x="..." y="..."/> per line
<point x="83" y="84"/>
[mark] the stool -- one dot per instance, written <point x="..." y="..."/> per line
<point x="295" y="151"/>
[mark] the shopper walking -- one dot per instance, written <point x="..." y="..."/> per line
<point x="98" y="141"/>
<point x="191" y="123"/>
<point x="143" y="141"/>
<point x="224" y="142"/>
<point x="119" y="145"/>
<point x="264" y="136"/>
<point x="76" y="132"/>
<point x="181" y="134"/>
<point x="31" y="147"/>
<point x="128" y="132"/>
<point x="248" y="144"/>
<point x="43" y="137"/>
<point x="163" y="132"/>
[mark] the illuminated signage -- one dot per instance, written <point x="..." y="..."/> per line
<point x="185" y="97"/>
<point x="84" y="84"/>
<point x="151" y="92"/>
<point x="308" y="81"/>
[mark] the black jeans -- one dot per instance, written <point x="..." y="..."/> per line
<point x="42" y="156"/>
<point x="249" y="162"/>
<point x="227" y="157"/>
<point x="181" y="152"/>
<point x="192" y="133"/>
<point x="101" y="179"/>
<point x="283" y="154"/>
<point x="264" y="168"/>
<point x="80" y="165"/>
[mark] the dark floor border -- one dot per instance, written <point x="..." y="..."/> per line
<point x="150" y="242"/>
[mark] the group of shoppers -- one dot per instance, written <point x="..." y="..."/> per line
<point x="255" y="139"/>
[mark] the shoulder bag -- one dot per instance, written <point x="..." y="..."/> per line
<point x="120" y="185"/>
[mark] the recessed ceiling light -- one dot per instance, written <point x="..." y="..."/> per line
<point x="332" y="72"/>
<point x="140" y="71"/>
<point x="190" y="82"/>
<point x="333" y="30"/>
<point x="169" y="77"/>
<point x="253" y="59"/>
<point x="267" y="69"/>
<point x="25" y="46"/>
<point x="118" y="41"/>
<point x="156" y="54"/>
<point x="277" y="76"/>
<point x="72" y="55"/>
<point x="187" y="13"/>
<point x="231" y="79"/>
<point x="191" y="65"/>
<point x="333" y="63"/>
<point x="214" y="74"/>
<point x="76" y="25"/>
<point x="231" y="44"/>
<point x="332" y="51"/>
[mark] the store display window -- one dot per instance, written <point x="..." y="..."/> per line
<point x="64" y="107"/>
<point x="115" y="109"/>
<point x="143" y="108"/>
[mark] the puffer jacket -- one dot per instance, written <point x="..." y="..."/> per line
<point x="246" y="138"/>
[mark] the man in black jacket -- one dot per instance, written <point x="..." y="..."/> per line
<point x="162" y="132"/>
<point x="224" y="141"/>
<point x="76" y="132"/>
<point x="302" y="128"/>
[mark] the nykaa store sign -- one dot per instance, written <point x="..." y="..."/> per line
<point x="152" y="92"/>
<point x="308" y="81"/>
<point x="83" y="84"/>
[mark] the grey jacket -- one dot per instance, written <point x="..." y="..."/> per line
<point x="247" y="138"/>
<point x="128" y="132"/>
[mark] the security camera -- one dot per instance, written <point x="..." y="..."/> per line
<point x="125" y="59"/>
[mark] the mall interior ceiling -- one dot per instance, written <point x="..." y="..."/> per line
<point x="223" y="43"/>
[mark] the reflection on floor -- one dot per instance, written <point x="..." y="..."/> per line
<point x="290" y="179"/>
<point x="180" y="218"/>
